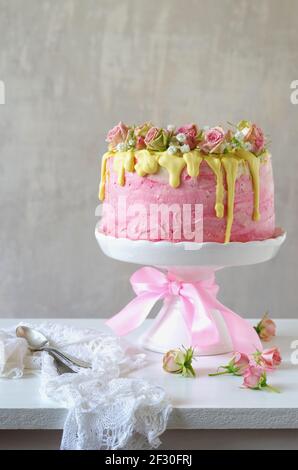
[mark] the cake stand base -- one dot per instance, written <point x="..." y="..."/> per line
<point x="169" y="332"/>
<point x="191" y="263"/>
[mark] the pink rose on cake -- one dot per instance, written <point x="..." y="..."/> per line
<point x="140" y="134"/>
<point x="117" y="135"/>
<point x="188" y="135"/>
<point x="256" y="138"/>
<point x="140" y="143"/>
<point x="156" y="139"/>
<point x="213" y="139"/>
<point x="251" y="135"/>
<point x="141" y="131"/>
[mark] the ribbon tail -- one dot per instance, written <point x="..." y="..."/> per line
<point x="196" y="313"/>
<point x="244" y="337"/>
<point x="133" y="315"/>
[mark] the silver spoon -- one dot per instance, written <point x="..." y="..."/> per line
<point x="38" y="342"/>
<point x="61" y="365"/>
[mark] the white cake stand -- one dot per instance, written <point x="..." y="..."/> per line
<point x="187" y="261"/>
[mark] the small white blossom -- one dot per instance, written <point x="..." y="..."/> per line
<point x="131" y="142"/>
<point x="185" y="148"/>
<point x="248" y="146"/>
<point x="121" y="147"/>
<point x="181" y="137"/>
<point x="239" y="135"/>
<point x="172" y="150"/>
<point x="171" y="128"/>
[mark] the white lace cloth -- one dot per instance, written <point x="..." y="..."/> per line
<point x="106" y="409"/>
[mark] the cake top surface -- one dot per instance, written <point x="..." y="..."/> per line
<point x="180" y="140"/>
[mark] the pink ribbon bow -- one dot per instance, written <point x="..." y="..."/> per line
<point x="198" y="299"/>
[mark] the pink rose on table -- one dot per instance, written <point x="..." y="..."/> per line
<point x="179" y="361"/>
<point x="237" y="365"/>
<point x="268" y="358"/>
<point x="172" y="361"/>
<point x="240" y="362"/>
<point x="117" y="135"/>
<point x="256" y="138"/>
<point x="254" y="377"/>
<point x="213" y="139"/>
<point x="266" y="328"/>
<point x="191" y="132"/>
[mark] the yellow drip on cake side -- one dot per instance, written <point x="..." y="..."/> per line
<point x="145" y="162"/>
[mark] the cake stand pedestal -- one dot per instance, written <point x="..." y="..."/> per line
<point x="188" y="262"/>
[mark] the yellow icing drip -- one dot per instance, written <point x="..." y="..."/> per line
<point x="103" y="175"/>
<point x="118" y="166"/>
<point x="174" y="165"/>
<point x="215" y="165"/>
<point x="129" y="161"/>
<point x="231" y="167"/>
<point x="193" y="161"/>
<point x="254" y="168"/>
<point x="146" y="164"/>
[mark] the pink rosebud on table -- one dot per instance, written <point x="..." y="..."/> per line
<point x="255" y="378"/>
<point x="178" y="361"/>
<point x="268" y="358"/>
<point x="266" y="328"/>
<point x="237" y="365"/>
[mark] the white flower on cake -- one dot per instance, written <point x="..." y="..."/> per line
<point x="248" y="146"/>
<point x="121" y="147"/>
<point x="185" y="148"/>
<point x="240" y="134"/>
<point x="131" y="142"/>
<point x="181" y="137"/>
<point x="172" y="150"/>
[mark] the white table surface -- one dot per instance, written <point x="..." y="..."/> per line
<point x="200" y="403"/>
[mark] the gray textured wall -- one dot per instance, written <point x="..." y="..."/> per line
<point x="73" y="68"/>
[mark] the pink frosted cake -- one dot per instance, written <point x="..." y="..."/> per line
<point x="175" y="183"/>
